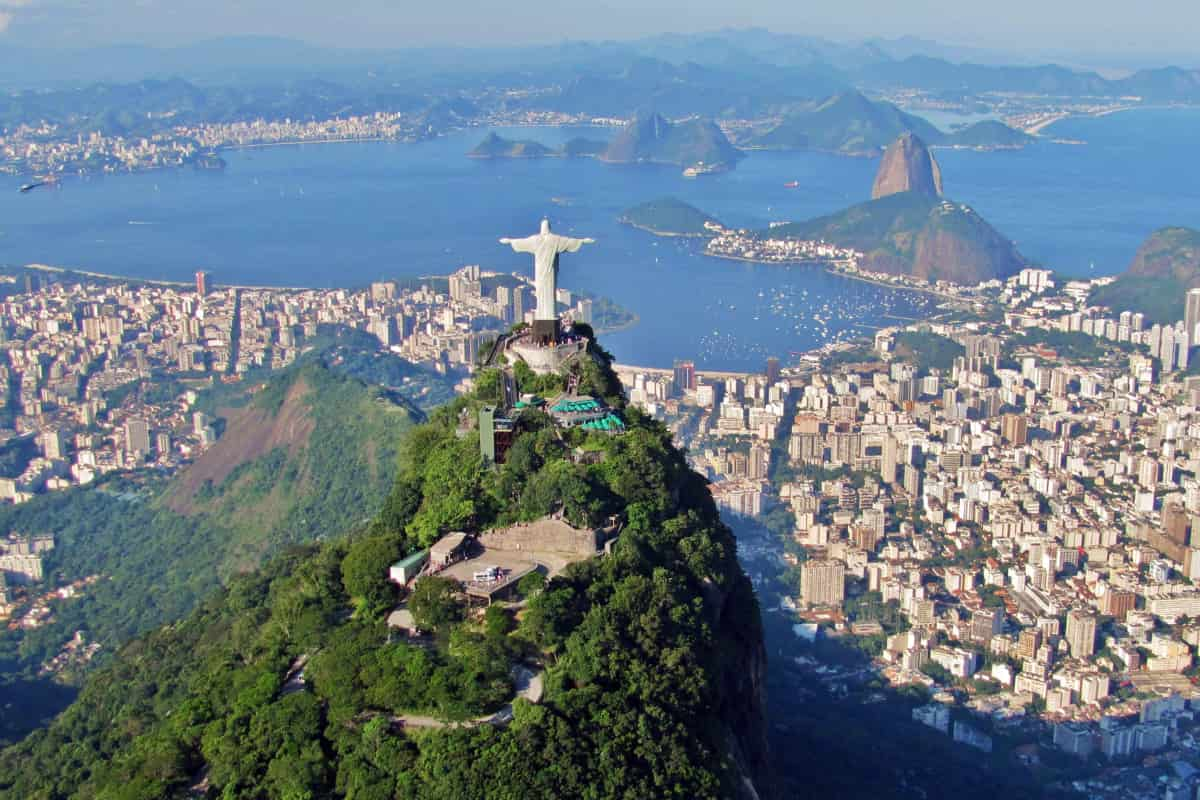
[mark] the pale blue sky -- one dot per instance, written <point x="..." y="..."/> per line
<point x="1116" y="27"/>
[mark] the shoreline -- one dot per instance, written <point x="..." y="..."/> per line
<point x="107" y="276"/>
<point x="1036" y="130"/>
<point x="1108" y="112"/>
<point x="664" y="234"/>
<point x="885" y="284"/>
<point x="833" y="270"/>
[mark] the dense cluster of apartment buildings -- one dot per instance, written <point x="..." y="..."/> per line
<point x="1033" y="518"/>
<point x="77" y="358"/>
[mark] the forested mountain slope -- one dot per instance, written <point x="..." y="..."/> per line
<point x="160" y="547"/>
<point x="652" y="655"/>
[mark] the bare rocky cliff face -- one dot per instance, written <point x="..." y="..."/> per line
<point x="907" y="166"/>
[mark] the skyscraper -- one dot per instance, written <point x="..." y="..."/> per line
<point x="1028" y="643"/>
<point x="823" y="583"/>
<point x="889" y="460"/>
<point x="201" y="283"/>
<point x="583" y="311"/>
<point x="772" y="369"/>
<point x="685" y="375"/>
<point x="1191" y="313"/>
<point x="518" y="304"/>
<point x="1014" y="428"/>
<point x="1081" y="633"/>
<point x="504" y="303"/>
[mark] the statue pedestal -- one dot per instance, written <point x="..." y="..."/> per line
<point x="544" y="359"/>
<point x="545" y="332"/>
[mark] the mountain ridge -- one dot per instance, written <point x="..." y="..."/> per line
<point x="288" y="683"/>
<point x="849" y="123"/>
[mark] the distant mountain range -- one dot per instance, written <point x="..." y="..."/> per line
<point x="852" y="124"/>
<point x="728" y="71"/>
<point x="936" y="74"/>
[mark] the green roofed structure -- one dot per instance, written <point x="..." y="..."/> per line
<point x="586" y="412"/>
<point x="528" y="401"/>
<point x="408" y="568"/>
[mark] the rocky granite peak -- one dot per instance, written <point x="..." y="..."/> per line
<point x="908" y="166"/>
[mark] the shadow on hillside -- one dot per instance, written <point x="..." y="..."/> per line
<point x="837" y="729"/>
<point x="26" y="705"/>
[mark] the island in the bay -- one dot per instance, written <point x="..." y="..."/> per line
<point x="496" y="146"/>
<point x="697" y="145"/>
<point x="670" y="216"/>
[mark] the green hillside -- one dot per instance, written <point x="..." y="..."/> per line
<point x="159" y="547"/>
<point x="668" y="216"/>
<point x="865" y="225"/>
<point x="913" y="234"/>
<point x="652" y="655"/>
<point x="495" y="146"/>
<point x="1165" y="266"/>
<point x="846" y="123"/>
<point x="1172" y="252"/>
<point x="853" y="124"/>
<point x="987" y="134"/>
<point x="1161" y="300"/>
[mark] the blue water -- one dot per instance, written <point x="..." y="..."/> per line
<point x="345" y="214"/>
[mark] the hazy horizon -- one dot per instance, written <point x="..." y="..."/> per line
<point x="1100" y="32"/>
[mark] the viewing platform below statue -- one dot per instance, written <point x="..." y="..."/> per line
<point x="545" y="354"/>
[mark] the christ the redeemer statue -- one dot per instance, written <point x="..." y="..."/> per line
<point x="546" y="248"/>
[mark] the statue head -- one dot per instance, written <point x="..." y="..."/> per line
<point x="545" y="226"/>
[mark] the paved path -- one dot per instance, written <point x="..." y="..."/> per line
<point x="528" y="685"/>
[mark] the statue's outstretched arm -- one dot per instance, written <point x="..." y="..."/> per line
<point x="569" y="245"/>
<point x="526" y="245"/>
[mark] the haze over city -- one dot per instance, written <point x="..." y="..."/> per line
<point x="1102" y="32"/>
